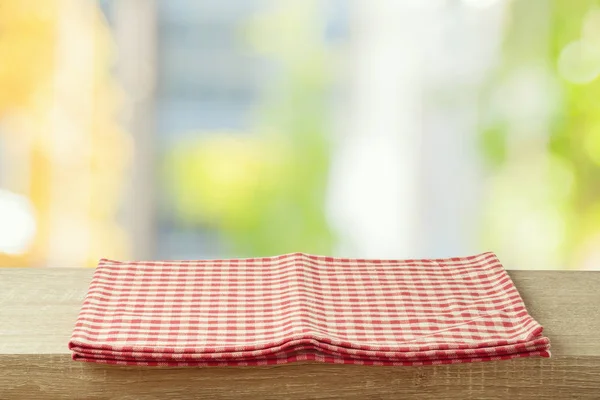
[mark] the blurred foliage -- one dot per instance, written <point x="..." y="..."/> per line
<point x="264" y="191"/>
<point x="541" y="135"/>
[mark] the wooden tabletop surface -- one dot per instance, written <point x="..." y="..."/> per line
<point x="38" y="308"/>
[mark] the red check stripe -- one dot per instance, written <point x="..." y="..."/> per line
<point x="300" y="307"/>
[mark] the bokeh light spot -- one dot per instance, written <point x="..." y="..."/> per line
<point x="18" y="225"/>
<point x="579" y="62"/>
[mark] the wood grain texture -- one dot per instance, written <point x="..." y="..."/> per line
<point x="38" y="309"/>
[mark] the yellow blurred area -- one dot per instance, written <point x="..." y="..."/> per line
<point x="62" y="147"/>
<point x="27" y="40"/>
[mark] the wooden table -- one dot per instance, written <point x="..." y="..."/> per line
<point x="38" y="308"/>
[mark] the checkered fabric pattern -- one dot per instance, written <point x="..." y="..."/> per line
<point x="301" y="307"/>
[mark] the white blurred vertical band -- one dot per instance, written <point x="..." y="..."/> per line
<point x="135" y="35"/>
<point x="406" y="176"/>
<point x="465" y="50"/>
<point x="374" y="178"/>
<point x="70" y="128"/>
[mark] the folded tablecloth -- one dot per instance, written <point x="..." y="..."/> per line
<point x="301" y="307"/>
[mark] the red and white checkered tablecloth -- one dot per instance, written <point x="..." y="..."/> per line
<point x="301" y="307"/>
